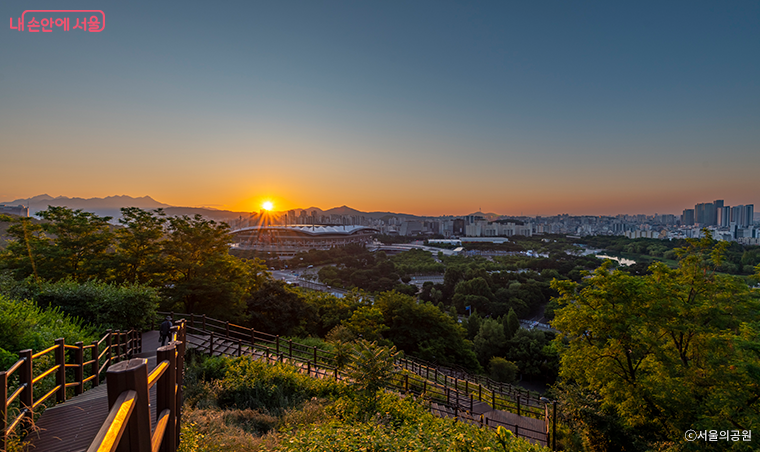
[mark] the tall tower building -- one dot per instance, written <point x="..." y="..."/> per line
<point x="749" y="214"/>
<point x="718" y="206"/>
<point x="724" y="216"/>
<point x="687" y="218"/>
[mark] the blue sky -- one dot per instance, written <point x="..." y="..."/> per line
<point x="422" y="107"/>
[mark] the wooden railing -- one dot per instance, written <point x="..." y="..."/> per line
<point x="128" y="426"/>
<point x="452" y="388"/>
<point x="21" y="381"/>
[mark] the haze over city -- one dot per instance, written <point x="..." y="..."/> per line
<point x="427" y="108"/>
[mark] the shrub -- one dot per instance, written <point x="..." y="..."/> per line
<point x="272" y="387"/>
<point x="502" y="370"/>
<point x="106" y="305"/>
<point x="24" y="325"/>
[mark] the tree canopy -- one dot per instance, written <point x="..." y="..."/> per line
<point x="673" y="350"/>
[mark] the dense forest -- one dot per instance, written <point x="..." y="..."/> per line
<point x="641" y="354"/>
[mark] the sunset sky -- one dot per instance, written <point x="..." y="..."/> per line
<point x="424" y="107"/>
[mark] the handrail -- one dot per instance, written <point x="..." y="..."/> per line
<point x="15" y="394"/>
<point x="113" y="428"/>
<point x="158" y="433"/>
<point x="45" y="397"/>
<point x="136" y="428"/>
<point x="14" y="367"/>
<point x="46" y="373"/>
<point x="156" y="373"/>
<point x="22" y="387"/>
<point x="44" y="352"/>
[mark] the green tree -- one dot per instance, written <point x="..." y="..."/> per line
<point x="67" y="244"/>
<point x="367" y="322"/>
<point x="139" y="252"/>
<point x="276" y="309"/>
<point x="202" y="277"/>
<point x="423" y="330"/>
<point x="511" y="324"/>
<point x="662" y="353"/>
<point x="370" y="370"/>
<point x="490" y="340"/>
<point x="500" y="369"/>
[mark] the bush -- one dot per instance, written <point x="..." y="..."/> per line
<point x="502" y="370"/>
<point x="105" y="305"/>
<point x="24" y="325"/>
<point x="274" y="388"/>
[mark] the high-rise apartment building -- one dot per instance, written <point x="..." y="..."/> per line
<point x="724" y="216"/>
<point x="687" y="218"/>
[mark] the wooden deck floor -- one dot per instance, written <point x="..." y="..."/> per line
<point x="71" y="426"/>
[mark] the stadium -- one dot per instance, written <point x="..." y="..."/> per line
<point x="287" y="240"/>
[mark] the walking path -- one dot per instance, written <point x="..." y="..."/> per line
<point x="72" y="425"/>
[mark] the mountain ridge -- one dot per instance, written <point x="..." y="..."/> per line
<point x="111" y="206"/>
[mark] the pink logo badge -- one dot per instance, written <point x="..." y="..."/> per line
<point x="63" y="20"/>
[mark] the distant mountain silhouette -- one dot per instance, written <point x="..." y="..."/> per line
<point x="108" y="207"/>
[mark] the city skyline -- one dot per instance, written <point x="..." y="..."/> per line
<point x="429" y="108"/>
<point x="268" y="205"/>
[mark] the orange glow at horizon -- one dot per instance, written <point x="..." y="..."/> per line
<point x="267" y="205"/>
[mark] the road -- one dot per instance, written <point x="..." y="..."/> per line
<point x="294" y="277"/>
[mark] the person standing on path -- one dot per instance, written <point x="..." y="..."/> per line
<point x="165" y="330"/>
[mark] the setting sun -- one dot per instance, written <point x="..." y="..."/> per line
<point x="268" y="205"/>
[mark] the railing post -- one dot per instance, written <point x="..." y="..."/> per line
<point x="240" y="348"/>
<point x="25" y="377"/>
<point x="493" y="399"/>
<point x="518" y="405"/>
<point x="471" y="402"/>
<point x="60" y="374"/>
<point x="125" y="376"/>
<point x="315" y="355"/>
<point x="308" y="368"/>
<point x="211" y="344"/>
<point x="79" y="370"/>
<point x="554" y="425"/>
<point x="181" y="347"/>
<point x="95" y="367"/>
<point x="108" y="348"/>
<point x="517" y="430"/>
<point x="406" y="383"/>
<point x="165" y="395"/>
<point x="3" y="409"/>
<point x="118" y="346"/>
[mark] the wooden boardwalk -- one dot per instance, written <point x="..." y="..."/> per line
<point x="71" y="426"/>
